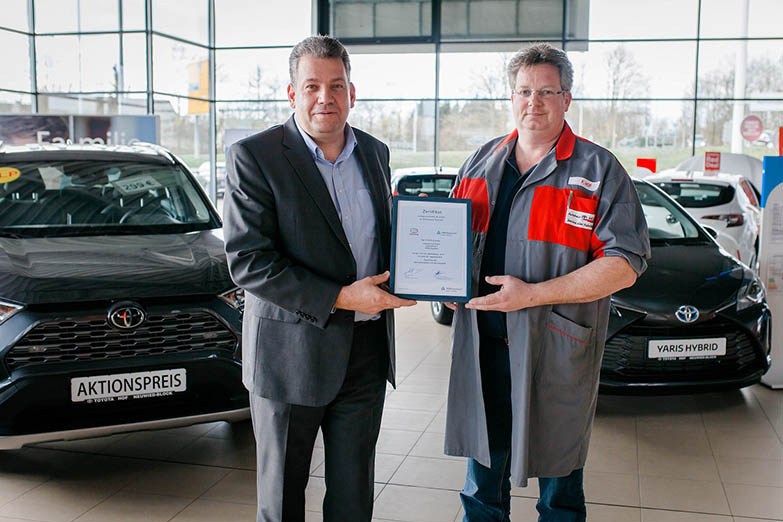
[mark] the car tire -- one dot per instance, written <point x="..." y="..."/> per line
<point x="440" y="313"/>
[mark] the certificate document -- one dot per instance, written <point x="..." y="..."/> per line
<point x="431" y="248"/>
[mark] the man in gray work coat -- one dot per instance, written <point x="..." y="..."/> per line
<point x="307" y="228"/>
<point x="557" y="228"/>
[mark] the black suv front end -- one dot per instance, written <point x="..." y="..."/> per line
<point x="117" y="312"/>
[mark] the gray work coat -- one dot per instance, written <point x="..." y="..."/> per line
<point x="577" y="205"/>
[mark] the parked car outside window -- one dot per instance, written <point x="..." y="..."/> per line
<point x="117" y="312"/>
<point x="202" y="174"/>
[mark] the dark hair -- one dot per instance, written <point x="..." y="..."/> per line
<point x="318" y="46"/>
<point x="542" y="53"/>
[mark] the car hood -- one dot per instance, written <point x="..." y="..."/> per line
<point x="67" y="269"/>
<point x="697" y="275"/>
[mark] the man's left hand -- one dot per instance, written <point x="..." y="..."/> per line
<point x="514" y="294"/>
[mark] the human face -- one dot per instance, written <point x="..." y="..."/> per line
<point x="322" y="98"/>
<point x="535" y="116"/>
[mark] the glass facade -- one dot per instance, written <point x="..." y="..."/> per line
<point x="664" y="80"/>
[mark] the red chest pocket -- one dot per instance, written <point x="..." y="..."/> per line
<point x="476" y="191"/>
<point x="563" y="216"/>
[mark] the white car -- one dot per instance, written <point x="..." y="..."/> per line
<point x="730" y="163"/>
<point x="729" y="203"/>
<point x="418" y="181"/>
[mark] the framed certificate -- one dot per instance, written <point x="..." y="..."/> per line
<point x="431" y="248"/>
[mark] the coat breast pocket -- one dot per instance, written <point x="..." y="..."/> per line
<point x="563" y="216"/>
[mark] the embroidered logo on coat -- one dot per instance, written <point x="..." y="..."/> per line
<point x="584" y="183"/>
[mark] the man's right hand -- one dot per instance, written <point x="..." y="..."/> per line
<point x="451" y="305"/>
<point x="366" y="297"/>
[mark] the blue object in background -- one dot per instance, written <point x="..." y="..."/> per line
<point x="773" y="176"/>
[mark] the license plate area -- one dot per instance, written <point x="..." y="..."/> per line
<point x="124" y="386"/>
<point x="686" y="348"/>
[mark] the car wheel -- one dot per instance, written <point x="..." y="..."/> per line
<point x="440" y="313"/>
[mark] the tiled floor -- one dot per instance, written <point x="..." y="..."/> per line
<point x="704" y="458"/>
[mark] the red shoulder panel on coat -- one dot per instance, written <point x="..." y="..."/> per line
<point x="476" y="191"/>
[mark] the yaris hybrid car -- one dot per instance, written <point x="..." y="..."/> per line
<point x="117" y="312"/>
<point x="697" y="319"/>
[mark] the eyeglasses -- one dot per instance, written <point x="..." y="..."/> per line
<point x="544" y="94"/>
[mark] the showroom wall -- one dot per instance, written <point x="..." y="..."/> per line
<point x="659" y="79"/>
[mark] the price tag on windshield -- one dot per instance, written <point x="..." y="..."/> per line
<point x="136" y="184"/>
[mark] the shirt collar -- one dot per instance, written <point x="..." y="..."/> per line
<point x="317" y="153"/>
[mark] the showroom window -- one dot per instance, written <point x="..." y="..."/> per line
<point x="429" y="74"/>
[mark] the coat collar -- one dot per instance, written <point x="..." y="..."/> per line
<point x="563" y="150"/>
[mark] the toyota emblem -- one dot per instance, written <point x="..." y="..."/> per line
<point x="687" y="313"/>
<point x="126" y="315"/>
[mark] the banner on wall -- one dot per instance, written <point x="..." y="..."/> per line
<point x="21" y="129"/>
<point x="198" y="87"/>
<point x="771" y="260"/>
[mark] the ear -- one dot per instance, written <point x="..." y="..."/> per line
<point x="291" y="96"/>
<point x="352" y="93"/>
<point x="567" y="100"/>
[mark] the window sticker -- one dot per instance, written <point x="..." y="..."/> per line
<point x="136" y="184"/>
<point x="9" y="174"/>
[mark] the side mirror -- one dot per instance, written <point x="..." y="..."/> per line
<point x="711" y="231"/>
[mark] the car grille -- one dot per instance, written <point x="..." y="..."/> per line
<point x="92" y="338"/>
<point x="625" y="354"/>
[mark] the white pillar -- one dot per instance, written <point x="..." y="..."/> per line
<point x="740" y="70"/>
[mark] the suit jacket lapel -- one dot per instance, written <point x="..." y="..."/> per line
<point x="374" y="176"/>
<point x="302" y="162"/>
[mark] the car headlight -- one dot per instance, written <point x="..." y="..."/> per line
<point x="235" y="298"/>
<point x="751" y="292"/>
<point x="7" y="310"/>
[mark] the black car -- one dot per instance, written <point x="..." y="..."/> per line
<point x="117" y="312"/>
<point x="697" y="319"/>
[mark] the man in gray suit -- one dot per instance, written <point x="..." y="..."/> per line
<point x="307" y="231"/>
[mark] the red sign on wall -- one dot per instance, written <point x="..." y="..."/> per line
<point x="712" y="161"/>
<point x="751" y="128"/>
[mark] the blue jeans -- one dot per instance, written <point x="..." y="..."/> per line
<point x="487" y="493"/>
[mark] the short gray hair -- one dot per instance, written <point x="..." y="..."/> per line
<point x="319" y="46"/>
<point x="538" y="54"/>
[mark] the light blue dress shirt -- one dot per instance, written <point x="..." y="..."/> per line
<point x="345" y="180"/>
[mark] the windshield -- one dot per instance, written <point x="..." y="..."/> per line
<point x="665" y="221"/>
<point x="698" y="195"/>
<point x="99" y="197"/>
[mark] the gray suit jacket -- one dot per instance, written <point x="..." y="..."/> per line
<point x="287" y="249"/>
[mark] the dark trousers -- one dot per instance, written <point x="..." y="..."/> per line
<point x="487" y="493"/>
<point x="286" y="433"/>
